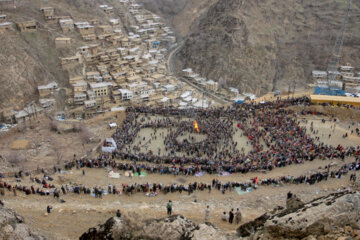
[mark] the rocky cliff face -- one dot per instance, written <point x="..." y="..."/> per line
<point x="261" y="45"/>
<point x="12" y="226"/>
<point x="131" y="227"/>
<point x="181" y="14"/>
<point x="330" y="217"/>
<point x="335" y="216"/>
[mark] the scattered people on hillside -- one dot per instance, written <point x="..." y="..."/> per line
<point x="48" y="209"/>
<point x="118" y="213"/>
<point x="1" y="203"/>
<point x="224" y="217"/>
<point x="289" y="195"/>
<point x="237" y="216"/>
<point x="207" y="213"/>
<point x="231" y="216"/>
<point x="169" y="208"/>
<point x="353" y="178"/>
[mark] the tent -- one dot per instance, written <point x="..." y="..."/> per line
<point x="113" y="174"/>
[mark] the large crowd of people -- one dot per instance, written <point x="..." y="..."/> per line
<point x="274" y="133"/>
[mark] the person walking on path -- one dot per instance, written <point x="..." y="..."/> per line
<point x="237" y="216"/>
<point x="169" y="208"/>
<point x="48" y="209"/>
<point x="231" y="216"/>
<point x="207" y="213"/>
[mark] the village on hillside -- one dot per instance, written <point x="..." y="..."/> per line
<point x="117" y="65"/>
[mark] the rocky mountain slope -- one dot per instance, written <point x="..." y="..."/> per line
<point x="335" y="216"/>
<point x="181" y="14"/>
<point x="261" y="45"/>
<point x="29" y="59"/>
<point x="12" y="226"/>
<point x="131" y="227"/>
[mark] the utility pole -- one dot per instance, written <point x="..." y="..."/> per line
<point x="336" y="53"/>
<point x="294" y="87"/>
<point x="202" y="103"/>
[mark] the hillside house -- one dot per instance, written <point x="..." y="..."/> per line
<point x="67" y="25"/>
<point x="93" y="76"/>
<point x="125" y="94"/>
<point x="212" y="86"/>
<point x="62" y="42"/>
<point x="3" y="18"/>
<point x="46" y="90"/>
<point x="169" y="88"/>
<point x="79" y="98"/>
<point x="94" y="21"/>
<point x="80" y="87"/>
<point x="6" y="26"/>
<point x="103" y="29"/>
<point x="86" y="29"/>
<point x="28" y="26"/>
<point x="114" y="21"/>
<point x="100" y="89"/>
<point x="73" y="80"/>
<point x="48" y="13"/>
<point x="46" y="102"/>
<point x="138" y="88"/>
<point x="90" y="104"/>
<point x="7" y="115"/>
<point x="108" y="10"/>
<point x="70" y="61"/>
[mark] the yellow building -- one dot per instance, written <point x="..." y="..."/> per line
<point x="334" y="100"/>
<point x="99" y="89"/>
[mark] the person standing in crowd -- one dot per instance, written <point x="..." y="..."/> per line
<point x="207" y="213"/>
<point x="231" y="216"/>
<point x="169" y="208"/>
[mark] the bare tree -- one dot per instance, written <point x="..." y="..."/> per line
<point x="53" y="126"/>
<point x="58" y="154"/>
<point x="21" y="128"/>
<point x="222" y="83"/>
<point x="85" y="135"/>
<point x="14" y="159"/>
<point x="76" y="127"/>
<point x="60" y="100"/>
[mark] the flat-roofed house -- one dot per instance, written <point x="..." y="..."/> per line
<point x="80" y="87"/>
<point x="73" y="80"/>
<point x="89" y="104"/>
<point x="100" y="89"/>
<point x="62" y="42"/>
<point x="48" y="12"/>
<point x="126" y="94"/>
<point x="6" y="26"/>
<point x="79" y="98"/>
<point x="212" y="85"/>
<point x="67" y="25"/>
<point x="28" y="26"/>
<point x="46" y="90"/>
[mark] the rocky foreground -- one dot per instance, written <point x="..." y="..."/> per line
<point x="12" y="226"/>
<point x="131" y="227"/>
<point x="335" y="216"/>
